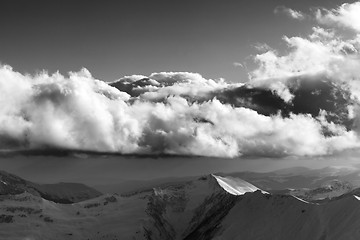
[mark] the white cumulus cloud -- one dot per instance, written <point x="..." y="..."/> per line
<point x="346" y="15"/>
<point x="80" y="112"/>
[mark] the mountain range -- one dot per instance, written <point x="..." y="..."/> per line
<point x="209" y="207"/>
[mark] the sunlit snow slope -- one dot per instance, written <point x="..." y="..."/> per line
<point x="235" y="186"/>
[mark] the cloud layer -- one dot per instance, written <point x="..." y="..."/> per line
<point x="303" y="102"/>
<point x="173" y="113"/>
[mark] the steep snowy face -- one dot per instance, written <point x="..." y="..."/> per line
<point x="236" y="186"/>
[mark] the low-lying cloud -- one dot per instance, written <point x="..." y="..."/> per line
<point x="304" y="102"/>
<point x="165" y="113"/>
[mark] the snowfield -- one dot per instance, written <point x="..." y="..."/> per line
<point x="236" y="186"/>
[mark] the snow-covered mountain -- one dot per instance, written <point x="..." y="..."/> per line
<point x="210" y="207"/>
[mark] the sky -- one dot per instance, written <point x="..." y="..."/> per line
<point x="95" y="170"/>
<point x="224" y="86"/>
<point x="117" y="38"/>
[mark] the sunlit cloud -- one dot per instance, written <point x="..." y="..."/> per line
<point x="303" y="101"/>
<point x="173" y="113"/>
<point x="298" y="15"/>
<point x="347" y="15"/>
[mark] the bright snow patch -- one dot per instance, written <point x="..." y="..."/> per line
<point x="3" y="182"/>
<point x="236" y="186"/>
<point x="302" y="200"/>
<point x="358" y="198"/>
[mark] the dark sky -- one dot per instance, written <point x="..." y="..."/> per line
<point x="117" y="38"/>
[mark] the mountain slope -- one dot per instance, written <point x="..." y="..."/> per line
<point x="300" y="177"/>
<point x="210" y="207"/>
<point x="25" y="216"/>
<point x="328" y="190"/>
<point x="171" y="212"/>
<point x="60" y="192"/>
<point x="258" y="216"/>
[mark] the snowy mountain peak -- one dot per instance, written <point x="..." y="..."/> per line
<point x="236" y="186"/>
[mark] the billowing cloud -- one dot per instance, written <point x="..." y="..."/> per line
<point x="302" y="102"/>
<point x="173" y="113"/>
<point x="324" y="54"/>
<point x="298" y="15"/>
<point x="347" y="15"/>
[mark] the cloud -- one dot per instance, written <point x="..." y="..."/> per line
<point x="159" y="86"/>
<point x="298" y="15"/>
<point x="347" y="15"/>
<point x="171" y="112"/>
<point x="304" y="101"/>
<point x="262" y="47"/>
<point x="306" y="56"/>
<point x="237" y="64"/>
<point x="325" y="55"/>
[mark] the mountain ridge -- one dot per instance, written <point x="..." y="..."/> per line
<point x="208" y="207"/>
<point x="58" y="192"/>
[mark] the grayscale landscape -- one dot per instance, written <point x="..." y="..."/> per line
<point x="180" y="120"/>
<point x="325" y="205"/>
